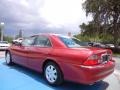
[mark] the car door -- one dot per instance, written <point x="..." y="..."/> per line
<point x="20" y="52"/>
<point x="39" y="52"/>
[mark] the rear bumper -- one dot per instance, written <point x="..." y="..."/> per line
<point x="88" y="74"/>
<point x="96" y="73"/>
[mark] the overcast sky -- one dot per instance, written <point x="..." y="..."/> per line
<point x="42" y="16"/>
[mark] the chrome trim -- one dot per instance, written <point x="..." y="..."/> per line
<point x="108" y="57"/>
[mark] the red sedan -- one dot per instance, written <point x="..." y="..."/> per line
<point x="62" y="58"/>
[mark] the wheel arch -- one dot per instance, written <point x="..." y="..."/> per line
<point x="51" y="60"/>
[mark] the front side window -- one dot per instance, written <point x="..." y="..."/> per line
<point x="42" y="41"/>
<point x="28" y="41"/>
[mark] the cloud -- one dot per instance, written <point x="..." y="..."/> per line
<point x="41" y="16"/>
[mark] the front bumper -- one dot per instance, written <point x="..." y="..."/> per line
<point x="3" y="48"/>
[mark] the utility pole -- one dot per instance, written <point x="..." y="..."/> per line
<point x="1" y="29"/>
<point x="20" y="34"/>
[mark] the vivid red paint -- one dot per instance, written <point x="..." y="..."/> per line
<point x="72" y="61"/>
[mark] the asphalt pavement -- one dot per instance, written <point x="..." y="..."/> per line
<point x="2" y="54"/>
<point x="19" y="78"/>
<point x="117" y="60"/>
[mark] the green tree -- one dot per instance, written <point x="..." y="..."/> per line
<point x="8" y="38"/>
<point x="107" y="14"/>
<point x="0" y="32"/>
<point x="91" y="32"/>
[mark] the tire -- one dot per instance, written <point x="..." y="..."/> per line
<point x="53" y="74"/>
<point x="8" y="58"/>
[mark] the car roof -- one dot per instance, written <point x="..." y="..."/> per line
<point x="50" y="34"/>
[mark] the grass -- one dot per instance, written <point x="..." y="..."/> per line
<point x="116" y="54"/>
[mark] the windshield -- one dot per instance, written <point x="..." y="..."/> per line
<point x="72" y="42"/>
<point x="3" y="42"/>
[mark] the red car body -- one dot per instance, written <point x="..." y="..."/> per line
<point x="73" y="62"/>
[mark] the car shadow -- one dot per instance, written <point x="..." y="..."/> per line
<point x="102" y="85"/>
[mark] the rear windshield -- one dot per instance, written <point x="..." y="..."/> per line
<point x="72" y="42"/>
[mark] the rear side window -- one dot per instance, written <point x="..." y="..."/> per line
<point x="42" y="41"/>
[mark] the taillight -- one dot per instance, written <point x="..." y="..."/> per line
<point x="92" y="60"/>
